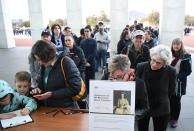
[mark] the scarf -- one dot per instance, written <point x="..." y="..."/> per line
<point x="176" y="59"/>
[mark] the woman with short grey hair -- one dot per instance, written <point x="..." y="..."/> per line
<point x="119" y="62"/>
<point x="162" y="52"/>
<point x="119" y="69"/>
<point x="160" y="80"/>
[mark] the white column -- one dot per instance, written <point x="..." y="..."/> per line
<point x="6" y="31"/>
<point x="171" y="21"/>
<point x="119" y="17"/>
<point x="36" y="19"/>
<point x="75" y="19"/>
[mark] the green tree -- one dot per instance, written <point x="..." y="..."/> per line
<point x="103" y="17"/>
<point x="24" y="24"/>
<point x="93" y="20"/>
<point x="61" y="22"/>
<point x="153" y="18"/>
<point x="142" y="20"/>
<point x="189" y="20"/>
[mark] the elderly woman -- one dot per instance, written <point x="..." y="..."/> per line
<point x="182" y="62"/>
<point x="119" y="69"/>
<point x="160" y="81"/>
<point x="55" y="90"/>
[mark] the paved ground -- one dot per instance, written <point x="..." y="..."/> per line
<point x="21" y="40"/>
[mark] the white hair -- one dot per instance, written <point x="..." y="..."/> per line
<point x="162" y="52"/>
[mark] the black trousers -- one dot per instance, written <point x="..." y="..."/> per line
<point x="175" y="107"/>
<point x="89" y="75"/>
<point x="160" y="123"/>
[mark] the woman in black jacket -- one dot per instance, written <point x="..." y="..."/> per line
<point x="160" y="81"/>
<point x="52" y="86"/>
<point x="182" y="62"/>
<point x="57" y="37"/>
<point x="125" y="41"/>
<point x="76" y="54"/>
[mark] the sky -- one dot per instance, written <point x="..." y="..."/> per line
<point x="19" y="8"/>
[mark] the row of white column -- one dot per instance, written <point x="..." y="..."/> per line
<point x="171" y="20"/>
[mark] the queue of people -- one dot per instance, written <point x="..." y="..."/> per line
<point x="61" y="65"/>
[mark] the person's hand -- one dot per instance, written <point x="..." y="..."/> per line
<point x="88" y="64"/>
<point x="125" y="107"/>
<point x="25" y="111"/>
<point x="35" y="91"/>
<point x="7" y="116"/>
<point x="44" y="96"/>
<point x="131" y="73"/>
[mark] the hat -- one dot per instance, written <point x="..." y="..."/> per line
<point x="138" y="32"/>
<point x="4" y="89"/>
<point x="100" y="23"/>
<point x="45" y="32"/>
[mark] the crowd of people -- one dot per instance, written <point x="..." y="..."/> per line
<point x="61" y="65"/>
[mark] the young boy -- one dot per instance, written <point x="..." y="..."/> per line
<point x="11" y="100"/>
<point x="23" y="83"/>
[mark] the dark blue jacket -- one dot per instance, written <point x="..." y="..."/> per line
<point x="185" y="70"/>
<point x="89" y="47"/>
<point x="62" y="95"/>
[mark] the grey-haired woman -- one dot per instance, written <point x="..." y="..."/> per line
<point x="159" y="79"/>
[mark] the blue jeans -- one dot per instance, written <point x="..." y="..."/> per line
<point x="101" y="56"/>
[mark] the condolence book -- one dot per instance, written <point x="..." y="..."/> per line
<point x="15" y="121"/>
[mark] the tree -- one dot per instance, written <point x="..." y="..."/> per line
<point x="24" y="24"/>
<point x="189" y="20"/>
<point x="142" y="20"/>
<point x="61" y="22"/>
<point x="103" y="17"/>
<point x="93" y="20"/>
<point x="153" y="18"/>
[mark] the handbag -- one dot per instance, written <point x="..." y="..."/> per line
<point x="83" y="88"/>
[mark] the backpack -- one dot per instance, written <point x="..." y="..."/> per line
<point x="83" y="88"/>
